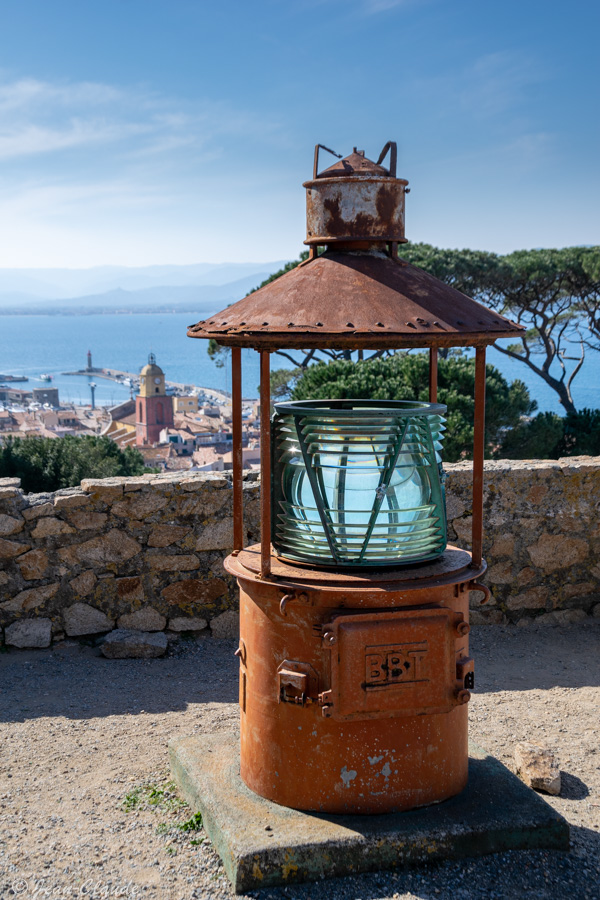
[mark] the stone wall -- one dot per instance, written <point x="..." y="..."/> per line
<point x="141" y="553"/>
<point x="146" y="553"/>
<point x="542" y="538"/>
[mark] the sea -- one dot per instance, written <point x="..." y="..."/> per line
<point x="33" y="345"/>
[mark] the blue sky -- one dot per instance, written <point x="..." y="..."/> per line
<point x="136" y="132"/>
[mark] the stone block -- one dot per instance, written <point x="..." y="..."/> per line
<point x="175" y="563"/>
<point x="463" y="528"/>
<point x="130" y="590"/>
<point x="193" y="591"/>
<point x="581" y="589"/>
<point x="33" y="565"/>
<point x="83" y="619"/>
<point x="504" y="545"/>
<point x="210" y="480"/>
<point x="137" y="484"/>
<point x="30" y="598"/>
<point x="486" y="617"/>
<point x="227" y="625"/>
<point x="204" y="503"/>
<point x="10" y="482"/>
<point x="38" y="510"/>
<point x="29" y="633"/>
<point x="139" y="506"/>
<point x="70" y="501"/>
<point x="164" y="535"/>
<point x="217" y="536"/>
<point x="501" y="573"/>
<point x="180" y="623"/>
<point x="455" y="508"/>
<point x="124" y="644"/>
<point x="11" y="525"/>
<point x="534" y="598"/>
<point x="50" y="527"/>
<point x="562" y="617"/>
<point x="147" y="619"/>
<point x="88" y="521"/>
<point x="106" y="490"/>
<point x="525" y="576"/>
<point x="83" y="584"/>
<point x="114" y="547"/>
<point x="9" y="493"/>
<point x="537" y="767"/>
<point x="536" y="493"/>
<point x="555" y="551"/>
<point x="10" y="549"/>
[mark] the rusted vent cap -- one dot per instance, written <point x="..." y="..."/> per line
<point x="354" y="164"/>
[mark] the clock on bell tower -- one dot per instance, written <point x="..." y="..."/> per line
<point x="153" y="407"/>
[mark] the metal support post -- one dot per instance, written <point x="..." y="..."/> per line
<point x="236" y="403"/>
<point x="478" y="455"/>
<point x="265" y="463"/>
<point x="433" y="374"/>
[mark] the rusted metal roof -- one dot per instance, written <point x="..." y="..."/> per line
<point x="356" y="163"/>
<point x="356" y="301"/>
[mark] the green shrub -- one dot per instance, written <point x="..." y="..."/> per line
<point x="406" y="377"/>
<point x="539" y="438"/>
<point x="48" y="464"/>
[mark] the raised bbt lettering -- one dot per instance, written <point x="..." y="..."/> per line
<point x="396" y="664"/>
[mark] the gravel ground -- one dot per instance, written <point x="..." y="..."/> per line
<point x="87" y="808"/>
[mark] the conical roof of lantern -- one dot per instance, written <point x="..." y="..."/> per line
<point x="357" y="294"/>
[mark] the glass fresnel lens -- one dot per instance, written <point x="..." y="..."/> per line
<point x="358" y="482"/>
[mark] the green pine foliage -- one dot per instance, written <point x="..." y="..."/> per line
<point x="406" y="377"/>
<point x="48" y="464"/>
<point x="540" y="438"/>
<point x="548" y="436"/>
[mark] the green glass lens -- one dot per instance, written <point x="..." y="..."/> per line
<point x="358" y="483"/>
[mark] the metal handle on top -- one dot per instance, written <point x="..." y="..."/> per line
<point x="316" y="163"/>
<point x="393" y="148"/>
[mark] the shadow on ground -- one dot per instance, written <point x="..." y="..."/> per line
<point x="73" y="680"/>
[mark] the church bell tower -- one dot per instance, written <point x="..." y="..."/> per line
<point x="153" y="408"/>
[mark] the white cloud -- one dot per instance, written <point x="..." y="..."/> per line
<point x="92" y="172"/>
<point x="41" y="118"/>
<point x="29" y="93"/>
<point x="492" y="85"/>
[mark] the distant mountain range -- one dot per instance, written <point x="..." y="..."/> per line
<point x="201" y="288"/>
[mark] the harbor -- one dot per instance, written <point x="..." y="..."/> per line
<point x="131" y="380"/>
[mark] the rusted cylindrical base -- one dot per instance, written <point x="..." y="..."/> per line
<point x="353" y="689"/>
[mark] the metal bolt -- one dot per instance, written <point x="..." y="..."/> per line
<point x="463" y="628"/>
<point x="463" y="697"/>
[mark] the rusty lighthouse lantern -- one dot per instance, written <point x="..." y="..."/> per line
<point x="354" y="661"/>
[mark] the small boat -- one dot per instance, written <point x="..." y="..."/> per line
<point x="45" y="377"/>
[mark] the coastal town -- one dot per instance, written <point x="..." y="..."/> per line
<point x="176" y="427"/>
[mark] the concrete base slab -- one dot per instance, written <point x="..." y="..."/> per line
<point x="263" y="844"/>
